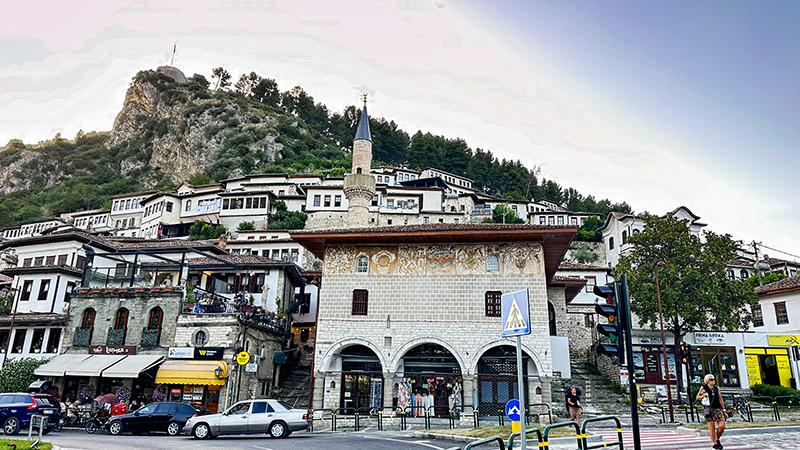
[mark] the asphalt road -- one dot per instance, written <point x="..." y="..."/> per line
<point x="80" y="440"/>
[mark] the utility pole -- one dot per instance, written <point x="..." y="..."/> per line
<point x="758" y="263"/>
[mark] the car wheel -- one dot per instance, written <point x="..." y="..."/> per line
<point x="174" y="428"/>
<point x="201" y="431"/>
<point x="278" y="430"/>
<point x="11" y="425"/>
<point x="115" y="427"/>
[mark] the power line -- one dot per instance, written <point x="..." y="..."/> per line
<point x="779" y="251"/>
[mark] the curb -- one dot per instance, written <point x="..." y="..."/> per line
<point x="739" y="431"/>
<point x="449" y="437"/>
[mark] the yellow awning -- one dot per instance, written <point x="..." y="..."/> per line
<point x="192" y="372"/>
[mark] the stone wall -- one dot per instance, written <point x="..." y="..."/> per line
<point x="580" y="336"/>
<point x="107" y="302"/>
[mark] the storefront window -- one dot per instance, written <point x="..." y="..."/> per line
<point x="720" y="361"/>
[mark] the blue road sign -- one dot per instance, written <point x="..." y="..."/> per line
<point x="516" y="316"/>
<point x="513" y="410"/>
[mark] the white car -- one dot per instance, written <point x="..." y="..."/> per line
<point x="250" y="417"/>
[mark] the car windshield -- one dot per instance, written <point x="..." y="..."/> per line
<point x="283" y="404"/>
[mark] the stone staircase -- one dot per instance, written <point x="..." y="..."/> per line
<point x="295" y="388"/>
<point x="598" y="396"/>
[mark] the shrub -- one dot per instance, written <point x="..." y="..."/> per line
<point x="767" y="390"/>
<point x="16" y="376"/>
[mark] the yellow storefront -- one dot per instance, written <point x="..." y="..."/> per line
<point x="194" y="381"/>
<point x="771" y="365"/>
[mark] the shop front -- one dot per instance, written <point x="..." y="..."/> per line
<point x="193" y="375"/>
<point x="429" y="370"/>
<point x="772" y="363"/>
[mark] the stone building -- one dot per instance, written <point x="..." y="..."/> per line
<point x="417" y="309"/>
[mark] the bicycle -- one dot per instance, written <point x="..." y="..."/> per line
<point x="740" y="406"/>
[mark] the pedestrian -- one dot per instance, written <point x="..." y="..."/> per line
<point x="714" y="412"/>
<point x="574" y="402"/>
<point x="134" y="406"/>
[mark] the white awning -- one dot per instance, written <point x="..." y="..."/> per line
<point x="93" y="366"/>
<point x="56" y="366"/>
<point x="132" y="366"/>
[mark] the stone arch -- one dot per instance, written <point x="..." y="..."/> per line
<point x="338" y="346"/>
<point x="398" y="355"/>
<point x="533" y="356"/>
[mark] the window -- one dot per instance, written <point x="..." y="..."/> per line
<point x="121" y="319"/>
<point x="154" y="321"/>
<point x="87" y="321"/>
<point x="26" y="290"/>
<point x="249" y="203"/>
<point x="362" y="264"/>
<point x="305" y="305"/>
<point x="37" y="341"/>
<point x="390" y="203"/>
<point x="591" y="282"/>
<point x="780" y="313"/>
<point x="551" y="220"/>
<point x="492" y="300"/>
<point x="635" y="231"/>
<point x="611" y="243"/>
<point x="295" y="255"/>
<point x="327" y="201"/>
<point x="169" y="206"/>
<point x="128" y="204"/>
<point x="744" y="274"/>
<point x="38" y="261"/>
<point x="316" y="200"/>
<point x="561" y="220"/>
<point x="51" y="260"/>
<point x="493" y="263"/>
<point x="375" y="201"/>
<point x="62" y="260"/>
<point x="226" y="203"/>
<point x="131" y="222"/>
<point x="305" y="335"/>
<point x="793" y="273"/>
<point x="758" y="317"/>
<point x="53" y="340"/>
<point x="360" y="300"/>
<point x="426" y="220"/>
<point x="263" y="202"/>
<point x="44" y="289"/>
<point x="200" y="338"/>
<point x="80" y="262"/>
<point x="188" y="205"/>
<point x="573" y="220"/>
<point x="624" y="237"/>
<point x="19" y="341"/>
<point x="259" y="408"/>
<point x="588" y="320"/>
<point x="730" y="274"/>
<point x="27" y="262"/>
<point x="542" y="220"/>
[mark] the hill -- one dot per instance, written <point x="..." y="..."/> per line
<point x="173" y="129"/>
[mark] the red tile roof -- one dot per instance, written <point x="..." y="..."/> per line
<point x="781" y="286"/>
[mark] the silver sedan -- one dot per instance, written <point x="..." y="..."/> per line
<point x="250" y="417"/>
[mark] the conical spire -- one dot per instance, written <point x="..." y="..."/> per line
<point x="363" y="124"/>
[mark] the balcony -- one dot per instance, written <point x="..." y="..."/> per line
<point x="151" y="338"/>
<point x="116" y="336"/>
<point x="83" y="337"/>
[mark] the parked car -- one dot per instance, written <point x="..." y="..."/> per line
<point x="250" y="417"/>
<point x="16" y="410"/>
<point x="169" y="417"/>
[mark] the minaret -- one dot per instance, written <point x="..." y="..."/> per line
<point x="359" y="186"/>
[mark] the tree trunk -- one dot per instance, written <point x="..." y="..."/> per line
<point x="677" y="333"/>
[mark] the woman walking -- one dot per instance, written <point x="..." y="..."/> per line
<point x="714" y="409"/>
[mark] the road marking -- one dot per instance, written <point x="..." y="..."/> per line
<point x="423" y="443"/>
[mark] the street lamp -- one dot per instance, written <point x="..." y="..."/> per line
<point x="663" y="341"/>
<point x="218" y="372"/>
<point x="11" y="329"/>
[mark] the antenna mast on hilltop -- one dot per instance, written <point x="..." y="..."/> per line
<point x="174" y="49"/>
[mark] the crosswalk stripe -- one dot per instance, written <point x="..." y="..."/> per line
<point x="653" y="439"/>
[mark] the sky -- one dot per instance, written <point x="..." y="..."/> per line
<point x="658" y="104"/>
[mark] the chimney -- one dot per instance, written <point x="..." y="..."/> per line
<point x="222" y="242"/>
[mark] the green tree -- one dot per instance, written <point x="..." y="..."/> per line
<point x="6" y="303"/>
<point x="696" y="293"/>
<point x="199" y="79"/>
<point x="589" y="230"/>
<point x="283" y="219"/>
<point x="584" y="255"/>
<point x="266" y="92"/>
<point x="502" y="213"/>
<point x="203" y="230"/>
<point x="17" y="375"/>
<point x="246" y="226"/>
<point x="199" y="179"/>
<point x="246" y="83"/>
<point x="766" y="279"/>
<point x="223" y="78"/>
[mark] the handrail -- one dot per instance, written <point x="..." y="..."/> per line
<point x="322" y="417"/>
<point x="673" y="401"/>
<point x="488" y="440"/>
<point x="517" y="434"/>
<point x="475" y="413"/>
<point x="545" y="438"/>
<point x="586" y="446"/>
<point x="529" y="414"/>
<point x="772" y="404"/>
<point x="777" y="405"/>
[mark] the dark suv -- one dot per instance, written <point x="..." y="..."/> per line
<point x="16" y="410"/>
<point x="162" y="416"/>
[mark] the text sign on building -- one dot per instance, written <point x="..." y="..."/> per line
<point x="181" y="352"/>
<point x="709" y="338"/>
<point x="516" y="314"/>
<point x="783" y="340"/>
<point x="214" y="353"/>
<point x="112" y="349"/>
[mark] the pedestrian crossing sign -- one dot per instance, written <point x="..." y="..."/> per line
<point x="516" y="314"/>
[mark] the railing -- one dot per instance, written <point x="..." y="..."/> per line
<point x="529" y="415"/>
<point x="528" y="431"/>
<point x="151" y="338"/>
<point x="112" y="277"/>
<point x="82" y="337"/>
<point x="582" y="434"/>
<point x="785" y="402"/>
<point x="116" y="336"/>
<point x="545" y="444"/>
<point x="266" y="321"/>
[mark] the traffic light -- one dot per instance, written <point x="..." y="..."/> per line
<point x="610" y="308"/>
<point x="684" y="353"/>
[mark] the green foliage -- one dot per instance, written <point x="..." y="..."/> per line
<point x="6" y="303"/>
<point x="766" y="279"/>
<point x="503" y="214"/>
<point x="696" y="294"/>
<point x="17" y="375"/>
<point x="583" y="255"/>
<point x="283" y="219"/>
<point x="222" y="76"/>
<point x="768" y="390"/>
<point x="199" y="179"/>
<point x="246" y="226"/>
<point x="589" y="230"/>
<point x="203" y="230"/>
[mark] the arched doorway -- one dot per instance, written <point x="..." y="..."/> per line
<point x="497" y="378"/>
<point x="362" y="379"/>
<point x="429" y="369"/>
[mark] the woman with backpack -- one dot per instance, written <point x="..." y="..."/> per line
<point x="714" y="409"/>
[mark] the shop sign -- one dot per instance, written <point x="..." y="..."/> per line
<point x="251" y="367"/>
<point x="709" y="338"/>
<point x="783" y="340"/>
<point x="112" y="349"/>
<point x="187" y="397"/>
<point x="181" y="352"/>
<point x="650" y="340"/>
<point x="243" y="358"/>
<point x="208" y="352"/>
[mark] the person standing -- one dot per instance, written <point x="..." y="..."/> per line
<point x="714" y="409"/>
<point x="574" y="402"/>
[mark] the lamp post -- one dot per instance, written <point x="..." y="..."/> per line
<point x="663" y="341"/>
<point x="11" y="329"/>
